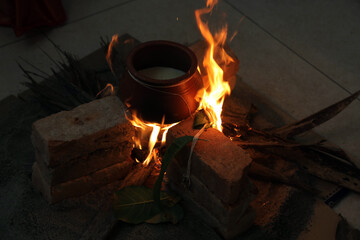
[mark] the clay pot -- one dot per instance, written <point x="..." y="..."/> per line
<point x="153" y="98"/>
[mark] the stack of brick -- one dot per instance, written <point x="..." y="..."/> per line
<point x="81" y="150"/>
<point x="220" y="191"/>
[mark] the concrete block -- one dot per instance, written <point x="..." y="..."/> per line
<point x="217" y="162"/>
<point x="67" y="135"/>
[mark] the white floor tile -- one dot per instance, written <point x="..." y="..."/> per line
<point x="7" y="35"/>
<point x="11" y="75"/>
<point x="78" y="9"/>
<point x="145" y="20"/>
<point x="326" y="33"/>
<point x="349" y="208"/>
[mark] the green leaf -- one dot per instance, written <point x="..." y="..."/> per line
<point x="135" y="204"/>
<point x="170" y="153"/>
<point x="200" y="119"/>
<point x="173" y="214"/>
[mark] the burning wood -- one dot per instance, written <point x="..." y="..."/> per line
<point x="149" y="132"/>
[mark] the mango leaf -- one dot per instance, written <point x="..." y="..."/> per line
<point x="173" y="214"/>
<point x="170" y="153"/>
<point x="200" y="119"/>
<point x="135" y="204"/>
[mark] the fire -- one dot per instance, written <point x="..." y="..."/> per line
<point x="144" y="129"/>
<point x="214" y="96"/>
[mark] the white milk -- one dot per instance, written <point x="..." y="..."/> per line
<point x="161" y="73"/>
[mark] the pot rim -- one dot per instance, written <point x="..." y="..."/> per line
<point x="142" y="79"/>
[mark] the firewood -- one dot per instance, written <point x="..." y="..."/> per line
<point x="264" y="173"/>
<point x="329" y="169"/>
<point x="325" y="162"/>
<point x="320" y="164"/>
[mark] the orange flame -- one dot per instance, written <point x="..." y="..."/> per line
<point x="108" y="90"/>
<point x="144" y="129"/>
<point x="214" y="96"/>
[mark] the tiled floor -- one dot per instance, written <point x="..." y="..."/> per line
<point x="302" y="55"/>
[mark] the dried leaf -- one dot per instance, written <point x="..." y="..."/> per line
<point x="331" y="152"/>
<point x="315" y="119"/>
<point x="200" y="119"/>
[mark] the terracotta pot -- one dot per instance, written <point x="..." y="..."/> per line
<point x="153" y="98"/>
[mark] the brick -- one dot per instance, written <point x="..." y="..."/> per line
<point x="85" y="165"/>
<point x="217" y="162"/>
<point x="79" y="186"/>
<point x="226" y="231"/>
<point x="71" y="134"/>
<point x="225" y="213"/>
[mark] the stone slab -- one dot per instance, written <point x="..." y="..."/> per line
<point x="217" y="162"/>
<point x="66" y="135"/>
<point x="225" y="213"/>
<point x="79" y="186"/>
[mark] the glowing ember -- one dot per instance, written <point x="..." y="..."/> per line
<point x="214" y="96"/>
<point x="144" y="129"/>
